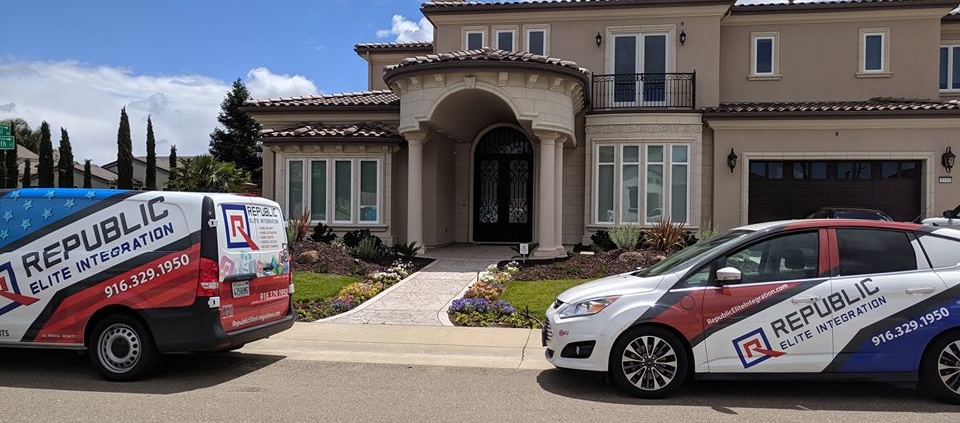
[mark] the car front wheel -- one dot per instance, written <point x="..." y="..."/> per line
<point x="649" y="362"/>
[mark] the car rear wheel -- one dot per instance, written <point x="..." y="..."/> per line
<point x="649" y="362"/>
<point x="121" y="349"/>
<point x="940" y="375"/>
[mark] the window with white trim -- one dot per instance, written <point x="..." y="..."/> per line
<point x="537" y="39"/>
<point x="650" y="178"/>
<point x="341" y="191"/>
<point x="764" y="54"/>
<point x="949" y="67"/>
<point x="505" y="39"/>
<point x="474" y="38"/>
<point x="874" y="51"/>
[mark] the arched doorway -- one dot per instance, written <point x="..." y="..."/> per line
<point x="503" y="187"/>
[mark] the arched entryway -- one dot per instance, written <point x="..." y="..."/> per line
<point x="503" y="187"/>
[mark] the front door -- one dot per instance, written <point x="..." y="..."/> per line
<point x="503" y="187"/>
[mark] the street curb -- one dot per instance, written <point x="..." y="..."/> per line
<point x="377" y="297"/>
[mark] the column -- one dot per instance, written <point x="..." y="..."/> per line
<point x="415" y="141"/>
<point x="558" y="197"/>
<point x="546" y="238"/>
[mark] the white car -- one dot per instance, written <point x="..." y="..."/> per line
<point x="951" y="218"/>
<point x="823" y="298"/>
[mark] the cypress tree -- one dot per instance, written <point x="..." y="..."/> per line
<point x="86" y="175"/>
<point x="151" y="182"/>
<point x="65" y="162"/>
<point x="173" y="163"/>
<point x="26" y="173"/>
<point x="124" y="153"/>
<point x="13" y="171"/>
<point x="45" y="165"/>
<point x="236" y="142"/>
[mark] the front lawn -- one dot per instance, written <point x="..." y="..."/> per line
<point x="537" y="295"/>
<point x="310" y="286"/>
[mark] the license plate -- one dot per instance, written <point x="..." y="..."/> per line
<point x="241" y="289"/>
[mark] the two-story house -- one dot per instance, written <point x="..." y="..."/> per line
<point x="547" y="121"/>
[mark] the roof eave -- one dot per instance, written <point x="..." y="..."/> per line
<point x="472" y="65"/>
<point x="334" y="140"/>
<point x="751" y="9"/>
<point x="530" y="6"/>
<point x="325" y="108"/>
<point x="707" y="114"/>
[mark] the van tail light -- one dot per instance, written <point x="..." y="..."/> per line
<point x="209" y="284"/>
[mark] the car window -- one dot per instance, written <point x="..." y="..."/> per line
<point x="867" y="251"/>
<point x="787" y="257"/>
<point x="942" y="252"/>
<point x="702" y="277"/>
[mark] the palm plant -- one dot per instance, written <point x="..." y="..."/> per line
<point x="205" y="174"/>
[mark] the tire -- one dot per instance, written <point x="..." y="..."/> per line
<point x="122" y="349"/>
<point x="649" y="362"/>
<point x="940" y="374"/>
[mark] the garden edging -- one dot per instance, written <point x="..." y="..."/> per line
<point x="377" y="297"/>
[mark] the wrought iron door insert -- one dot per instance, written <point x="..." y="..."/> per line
<point x="503" y="187"/>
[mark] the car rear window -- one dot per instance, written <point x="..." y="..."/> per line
<point x="942" y="252"/>
<point x="868" y="251"/>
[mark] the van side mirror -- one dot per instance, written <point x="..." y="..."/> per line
<point x="728" y="275"/>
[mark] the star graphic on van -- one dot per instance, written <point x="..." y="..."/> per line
<point x="15" y="195"/>
<point x="46" y="214"/>
<point x="25" y="224"/>
<point x="91" y="194"/>
<point x="27" y="205"/>
<point x="49" y="195"/>
<point x="7" y="216"/>
<point x="68" y="204"/>
<point x="4" y="234"/>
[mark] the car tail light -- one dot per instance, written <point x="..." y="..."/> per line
<point x="209" y="284"/>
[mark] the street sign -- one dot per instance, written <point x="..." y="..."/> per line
<point x="6" y="142"/>
<point x="4" y="129"/>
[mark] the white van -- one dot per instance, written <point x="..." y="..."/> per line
<point x="128" y="275"/>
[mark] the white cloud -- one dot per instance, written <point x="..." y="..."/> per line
<point x="408" y="31"/>
<point x="86" y="100"/>
<point x="265" y="84"/>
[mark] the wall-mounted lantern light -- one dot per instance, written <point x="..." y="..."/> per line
<point x="948" y="159"/>
<point x="683" y="36"/>
<point x="599" y="39"/>
<point x="732" y="160"/>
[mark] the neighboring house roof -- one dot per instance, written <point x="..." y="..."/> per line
<point x="163" y="162"/>
<point x="460" y="6"/>
<point x="488" y="56"/>
<point x="365" y="99"/>
<point x="97" y="172"/>
<point x="351" y="132"/>
<point x="874" y="107"/>
<point x="426" y="46"/>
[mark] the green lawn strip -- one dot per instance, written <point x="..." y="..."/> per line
<point x="538" y="295"/>
<point x="319" y="286"/>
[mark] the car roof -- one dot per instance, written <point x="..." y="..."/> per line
<point x="825" y="223"/>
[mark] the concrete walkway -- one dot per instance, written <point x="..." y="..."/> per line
<point x="422" y="298"/>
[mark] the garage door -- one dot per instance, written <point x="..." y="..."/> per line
<point x="791" y="189"/>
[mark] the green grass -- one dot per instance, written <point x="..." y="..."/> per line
<point x="538" y="295"/>
<point x="319" y="286"/>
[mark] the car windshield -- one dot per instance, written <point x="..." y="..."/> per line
<point x="689" y="254"/>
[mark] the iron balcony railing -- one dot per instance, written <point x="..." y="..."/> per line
<point x="645" y="90"/>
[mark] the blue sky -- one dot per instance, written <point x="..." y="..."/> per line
<point x="76" y="63"/>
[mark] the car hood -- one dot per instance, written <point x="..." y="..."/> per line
<point x="622" y="284"/>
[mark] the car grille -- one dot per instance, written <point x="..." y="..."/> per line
<point x="546" y="334"/>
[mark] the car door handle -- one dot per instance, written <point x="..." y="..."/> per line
<point x="804" y="300"/>
<point x="921" y="290"/>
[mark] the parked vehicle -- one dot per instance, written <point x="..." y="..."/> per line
<point x="848" y="213"/>
<point x="127" y="275"/>
<point x="817" y="299"/>
<point x="951" y="218"/>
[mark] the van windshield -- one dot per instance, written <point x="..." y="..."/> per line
<point x="690" y="254"/>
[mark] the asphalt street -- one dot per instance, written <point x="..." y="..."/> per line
<point x="239" y="387"/>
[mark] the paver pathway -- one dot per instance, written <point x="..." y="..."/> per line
<point x="423" y="298"/>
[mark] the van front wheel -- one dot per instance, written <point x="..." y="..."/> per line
<point x="121" y="349"/>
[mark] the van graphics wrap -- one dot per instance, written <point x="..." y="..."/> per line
<point x="754" y="348"/>
<point x="237" y="226"/>
<point x="11" y="291"/>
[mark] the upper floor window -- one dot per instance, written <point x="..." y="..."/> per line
<point x="874" y="52"/>
<point x="506" y="39"/>
<point x="950" y="67"/>
<point x="474" y="38"/>
<point x="536" y="39"/>
<point x="764" y="55"/>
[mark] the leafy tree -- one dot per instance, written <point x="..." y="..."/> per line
<point x="13" y="170"/>
<point x="26" y="173"/>
<point x="65" y="162"/>
<point x="236" y="142"/>
<point x="124" y="153"/>
<point x="204" y="173"/>
<point x="151" y="179"/>
<point x="45" y="162"/>
<point x="87" y="183"/>
<point x="173" y="163"/>
<point x="23" y="134"/>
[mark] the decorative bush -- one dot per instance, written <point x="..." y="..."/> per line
<point x="602" y="242"/>
<point x="359" y="292"/>
<point x="369" y="249"/>
<point x="407" y="250"/>
<point x="665" y="236"/>
<point x="323" y="233"/>
<point x="689" y="238"/>
<point x="626" y="237"/>
<point x="352" y="239"/>
<point x="297" y="226"/>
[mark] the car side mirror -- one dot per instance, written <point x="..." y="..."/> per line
<point x="728" y="275"/>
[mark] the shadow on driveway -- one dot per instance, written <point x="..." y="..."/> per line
<point x="69" y="370"/>
<point x="726" y="396"/>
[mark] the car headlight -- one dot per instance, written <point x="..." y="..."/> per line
<point x="588" y="307"/>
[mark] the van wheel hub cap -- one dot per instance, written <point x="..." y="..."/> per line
<point x="119" y="348"/>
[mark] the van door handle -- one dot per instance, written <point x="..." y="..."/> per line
<point x="921" y="290"/>
<point x="804" y="300"/>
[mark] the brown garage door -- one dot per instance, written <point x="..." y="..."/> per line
<point x="790" y="189"/>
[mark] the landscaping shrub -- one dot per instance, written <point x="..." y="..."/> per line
<point x="407" y="250"/>
<point x="352" y="239"/>
<point x="665" y="236"/>
<point x="297" y="226"/>
<point x="487" y="290"/>
<point x="358" y="292"/>
<point x="481" y="312"/>
<point x="369" y="249"/>
<point x="626" y="237"/>
<point x="689" y="238"/>
<point x="322" y="233"/>
<point x="602" y="242"/>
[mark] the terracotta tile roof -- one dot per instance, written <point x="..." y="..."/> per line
<point x="441" y="6"/>
<point x="354" y="99"/>
<point x="336" y="132"/>
<point x="788" y="5"/>
<point x="487" y="55"/>
<point x="874" y="106"/>
<point x="393" y="47"/>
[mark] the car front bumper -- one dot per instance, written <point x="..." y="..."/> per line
<point x="576" y="342"/>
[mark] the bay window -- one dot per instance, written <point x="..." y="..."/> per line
<point x="340" y="191"/>
<point x="652" y="178"/>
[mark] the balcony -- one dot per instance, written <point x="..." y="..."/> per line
<point x="643" y="91"/>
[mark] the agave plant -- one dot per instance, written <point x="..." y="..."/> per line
<point x="665" y="236"/>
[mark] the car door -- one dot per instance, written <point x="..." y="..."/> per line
<point x="881" y="275"/>
<point x="762" y="322"/>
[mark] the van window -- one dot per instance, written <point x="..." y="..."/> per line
<point x="868" y="251"/>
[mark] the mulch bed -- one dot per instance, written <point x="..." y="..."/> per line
<point x="584" y="266"/>
<point x="337" y="261"/>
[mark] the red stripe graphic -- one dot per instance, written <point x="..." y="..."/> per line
<point x="19" y="299"/>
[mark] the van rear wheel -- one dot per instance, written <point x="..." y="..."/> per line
<point x="121" y="349"/>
